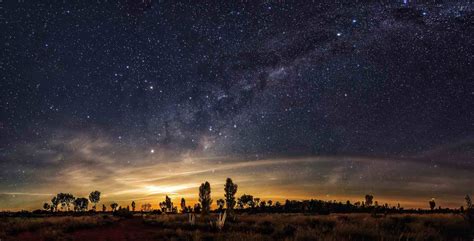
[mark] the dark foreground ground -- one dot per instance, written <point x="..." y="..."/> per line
<point x="245" y="227"/>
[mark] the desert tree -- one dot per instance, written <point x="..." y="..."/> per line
<point x="94" y="197"/>
<point x="468" y="202"/>
<point x="81" y="204"/>
<point x="54" y="203"/>
<point x="197" y="208"/>
<point x="270" y="202"/>
<point x="369" y="199"/>
<point x="256" y="202"/>
<point x="277" y="205"/>
<point x="432" y="204"/>
<point x="230" y="189"/>
<point x="133" y="206"/>
<point x="246" y="201"/>
<point x="66" y="199"/>
<point x="162" y="206"/>
<point x="183" y="205"/>
<point x="114" y="206"/>
<point x="104" y="208"/>
<point x="46" y="206"/>
<point x="167" y="206"/>
<point x="220" y="204"/>
<point x="205" y="197"/>
<point x="469" y="210"/>
<point x="263" y="204"/>
<point x="146" y="207"/>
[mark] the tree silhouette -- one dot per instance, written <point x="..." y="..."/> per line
<point x="104" y="208"/>
<point x="114" y="206"/>
<point x="270" y="202"/>
<point x="169" y="204"/>
<point x="229" y="193"/>
<point x="133" y="206"/>
<point x="468" y="202"/>
<point x="65" y="199"/>
<point x="46" y="206"/>
<point x="246" y="201"/>
<point x="163" y="206"/>
<point x="369" y="199"/>
<point x="94" y="197"/>
<point x="81" y="204"/>
<point x="197" y="208"/>
<point x="256" y="202"/>
<point x="183" y="205"/>
<point x="54" y="203"/>
<point x="146" y="207"/>
<point x="220" y="204"/>
<point x="277" y="205"/>
<point x="432" y="204"/>
<point x="205" y="197"/>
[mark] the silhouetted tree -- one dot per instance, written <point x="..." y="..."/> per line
<point x="369" y="199"/>
<point x="256" y="202"/>
<point x="81" y="204"/>
<point x="167" y="206"/>
<point x="146" y="207"/>
<point x="263" y="204"/>
<point x="65" y="199"/>
<point x="432" y="204"/>
<point x="133" y="206"/>
<point x="104" y="208"/>
<point x="54" y="203"/>
<point x="468" y="202"/>
<point x="114" y="206"/>
<point x="229" y="193"/>
<point x="220" y="204"/>
<point x="162" y="206"/>
<point x="246" y="201"/>
<point x="94" y="197"/>
<point x="270" y="202"/>
<point x="197" y="208"/>
<point x="205" y="197"/>
<point x="278" y="205"/>
<point x="183" y="206"/>
<point x="46" y="206"/>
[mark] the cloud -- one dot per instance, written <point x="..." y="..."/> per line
<point x="123" y="174"/>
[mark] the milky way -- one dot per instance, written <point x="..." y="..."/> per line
<point x="311" y="100"/>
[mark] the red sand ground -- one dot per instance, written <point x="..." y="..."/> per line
<point x="125" y="230"/>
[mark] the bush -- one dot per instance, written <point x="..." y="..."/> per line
<point x="123" y="213"/>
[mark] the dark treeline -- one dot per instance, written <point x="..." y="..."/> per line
<point x="66" y="203"/>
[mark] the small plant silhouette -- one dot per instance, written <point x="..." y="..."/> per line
<point x="114" y="206"/>
<point x="432" y="204"/>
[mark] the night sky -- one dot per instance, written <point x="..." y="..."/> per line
<point x="292" y="99"/>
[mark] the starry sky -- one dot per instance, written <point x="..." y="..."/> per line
<point x="292" y="99"/>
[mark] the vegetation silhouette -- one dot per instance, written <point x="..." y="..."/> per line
<point x="205" y="197"/>
<point x="368" y="219"/>
<point x="230" y="189"/>
<point x="247" y="203"/>
<point x="94" y="197"/>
